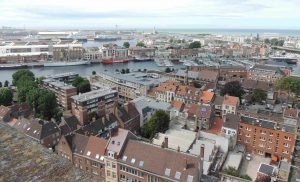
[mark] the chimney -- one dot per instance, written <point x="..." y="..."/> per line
<point x="201" y="160"/>
<point x="178" y="149"/>
<point x="166" y="142"/>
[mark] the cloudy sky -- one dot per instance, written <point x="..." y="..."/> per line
<point x="164" y="14"/>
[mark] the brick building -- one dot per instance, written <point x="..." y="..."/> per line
<point x="267" y="138"/>
<point x="101" y="101"/>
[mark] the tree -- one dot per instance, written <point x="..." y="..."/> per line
<point x="168" y="70"/>
<point x="267" y="41"/>
<point x="82" y="84"/>
<point x="126" y="45"/>
<point x="233" y="88"/>
<point x="234" y="172"/>
<point x="123" y="71"/>
<point x="140" y="44"/>
<point x="6" y="96"/>
<point x="0" y="84"/>
<point x="159" y="122"/>
<point x="93" y="115"/>
<point x="289" y="84"/>
<point x="145" y="70"/>
<point x="94" y="73"/>
<point x="46" y="104"/>
<point x="197" y="84"/>
<point x="127" y="70"/>
<point x="195" y="45"/>
<point x="20" y="74"/>
<point x="6" y="83"/>
<point x="24" y="85"/>
<point x="258" y="95"/>
<point x="57" y="115"/>
<point x="40" y="79"/>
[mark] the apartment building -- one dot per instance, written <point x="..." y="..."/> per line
<point x="267" y="138"/>
<point x="265" y="73"/>
<point x="129" y="86"/>
<point x="199" y="116"/>
<point x="60" y="85"/>
<point x="291" y="116"/>
<point x="114" y="52"/>
<point x="101" y="101"/>
<point x="141" y="52"/>
<point x="62" y="91"/>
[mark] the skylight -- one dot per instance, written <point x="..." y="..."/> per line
<point x="88" y="153"/>
<point x="177" y="175"/>
<point x="132" y="160"/>
<point x="124" y="158"/>
<point x="167" y="172"/>
<point x="190" y="178"/>
<point x="141" y="163"/>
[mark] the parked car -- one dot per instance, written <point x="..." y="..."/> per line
<point x="248" y="157"/>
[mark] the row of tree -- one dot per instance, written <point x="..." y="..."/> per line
<point x="6" y="84"/>
<point x="274" y="42"/>
<point x="41" y="100"/>
<point x="193" y="45"/>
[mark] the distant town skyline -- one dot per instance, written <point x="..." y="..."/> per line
<point x="141" y="14"/>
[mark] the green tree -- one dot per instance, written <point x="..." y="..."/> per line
<point x="145" y="70"/>
<point x="24" y="85"/>
<point x="233" y="88"/>
<point x="258" y="95"/>
<point x="46" y="104"/>
<point x="94" y="73"/>
<point x="6" y="96"/>
<point x="195" y="45"/>
<point x="40" y="79"/>
<point x="234" y="172"/>
<point x="93" y="115"/>
<point x="127" y="70"/>
<point x="289" y="84"/>
<point x="57" y="115"/>
<point x="140" y="44"/>
<point x="159" y="122"/>
<point x="82" y="84"/>
<point x="267" y="41"/>
<point x="123" y="71"/>
<point x="0" y="84"/>
<point x="126" y="45"/>
<point x="197" y="84"/>
<point x="20" y="74"/>
<point x="6" y="83"/>
<point x="168" y="70"/>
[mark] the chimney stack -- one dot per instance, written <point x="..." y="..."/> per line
<point x="166" y="142"/>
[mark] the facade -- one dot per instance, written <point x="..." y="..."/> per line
<point x="291" y="116"/>
<point x="266" y="137"/>
<point x="141" y="52"/>
<point x="40" y="51"/>
<point x="114" y="52"/>
<point x="62" y="91"/>
<point x="265" y="73"/>
<point x="101" y="101"/>
<point x="129" y="86"/>
<point x="165" y="92"/>
<point x="230" y="105"/>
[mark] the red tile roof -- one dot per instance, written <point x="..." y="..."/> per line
<point x="230" y="100"/>
<point x="95" y="147"/>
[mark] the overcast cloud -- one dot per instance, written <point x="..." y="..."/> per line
<point x="266" y="14"/>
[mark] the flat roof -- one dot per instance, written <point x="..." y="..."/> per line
<point x="136" y="77"/>
<point x="93" y="94"/>
<point x="143" y="102"/>
<point x="58" y="84"/>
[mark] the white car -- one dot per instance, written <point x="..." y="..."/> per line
<point x="248" y="157"/>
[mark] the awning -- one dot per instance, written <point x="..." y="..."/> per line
<point x="274" y="158"/>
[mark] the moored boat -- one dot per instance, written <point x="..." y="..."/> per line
<point x="114" y="60"/>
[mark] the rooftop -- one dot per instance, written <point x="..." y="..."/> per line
<point x="93" y="94"/>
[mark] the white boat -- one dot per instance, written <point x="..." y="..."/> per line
<point x="65" y="63"/>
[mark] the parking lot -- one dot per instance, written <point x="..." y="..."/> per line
<point x="251" y="167"/>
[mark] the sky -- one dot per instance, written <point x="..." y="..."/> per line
<point x="145" y="14"/>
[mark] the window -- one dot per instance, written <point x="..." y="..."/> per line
<point x="248" y="135"/>
<point x="262" y="138"/>
<point x="269" y="147"/>
<point x="240" y="133"/>
<point x="108" y="164"/>
<point x="260" y="152"/>
<point x="261" y="145"/>
<point x="95" y="164"/>
<point x="270" y="140"/>
<point x="271" y="134"/>
<point x="107" y="173"/>
<point x="247" y="141"/>
<point x="287" y="138"/>
<point x="285" y="152"/>
<point x="263" y="132"/>
<point x="114" y="175"/>
<point x="113" y="165"/>
<point x="248" y="129"/>
<point x="286" y="145"/>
